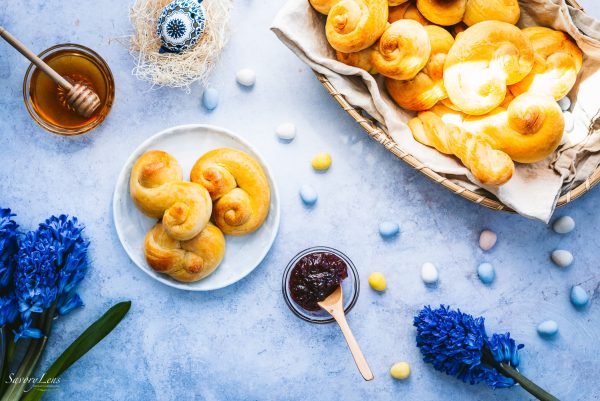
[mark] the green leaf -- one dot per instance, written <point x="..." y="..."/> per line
<point x="85" y="342"/>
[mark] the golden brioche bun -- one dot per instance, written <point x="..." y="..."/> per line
<point x="483" y="60"/>
<point x="427" y="88"/>
<point x="402" y="51"/>
<point x="558" y="61"/>
<point x="361" y="59"/>
<point x="529" y="130"/>
<point x="442" y="12"/>
<point x="354" y="25"/>
<point x="497" y="10"/>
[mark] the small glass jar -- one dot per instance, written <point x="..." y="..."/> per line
<point x="46" y="101"/>
<point x="350" y="287"/>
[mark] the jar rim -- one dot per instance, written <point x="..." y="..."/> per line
<point x="353" y="281"/>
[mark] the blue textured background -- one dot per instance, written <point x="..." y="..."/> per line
<point x="242" y="342"/>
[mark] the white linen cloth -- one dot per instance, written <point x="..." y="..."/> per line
<point x="534" y="188"/>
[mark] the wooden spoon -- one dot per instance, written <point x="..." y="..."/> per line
<point x="334" y="305"/>
<point x="84" y="100"/>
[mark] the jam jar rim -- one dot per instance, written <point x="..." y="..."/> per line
<point x="52" y="128"/>
<point x="352" y="271"/>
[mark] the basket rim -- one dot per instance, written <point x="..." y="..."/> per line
<point x="381" y="135"/>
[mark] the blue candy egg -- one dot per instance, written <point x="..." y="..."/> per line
<point x="210" y="98"/>
<point x="579" y="296"/>
<point x="486" y="273"/>
<point x="181" y="25"/>
<point x="388" y="229"/>
<point x="308" y="195"/>
<point x="548" y="328"/>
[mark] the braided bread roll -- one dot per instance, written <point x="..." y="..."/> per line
<point x="157" y="189"/>
<point x="402" y="51"/>
<point x="497" y="10"/>
<point x="354" y="25"/>
<point x="406" y="11"/>
<point x="185" y="261"/>
<point x="361" y="59"/>
<point x="322" y="6"/>
<point x="477" y="152"/>
<point x="485" y="59"/>
<point x="558" y="61"/>
<point x="238" y="186"/>
<point x="427" y="88"/>
<point x="442" y="12"/>
<point x="529" y="130"/>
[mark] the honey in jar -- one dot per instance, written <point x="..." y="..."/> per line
<point x="47" y="101"/>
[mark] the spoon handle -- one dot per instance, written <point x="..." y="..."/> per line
<point x="357" y="354"/>
<point x="14" y="42"/>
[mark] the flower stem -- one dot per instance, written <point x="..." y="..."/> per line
<point x="4" y="357"/>
<point x="511" y="372"/>
<point x="7" y="348"/>
<point x="29" y="363"/>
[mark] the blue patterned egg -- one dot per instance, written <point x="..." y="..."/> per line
<point x="181" y="25"/>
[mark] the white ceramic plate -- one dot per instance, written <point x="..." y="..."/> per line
<point x="187" y="143"/>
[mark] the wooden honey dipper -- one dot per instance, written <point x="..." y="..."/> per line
<point x="83" y="99"/>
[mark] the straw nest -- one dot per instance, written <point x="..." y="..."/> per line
<point x="177" y="70"/>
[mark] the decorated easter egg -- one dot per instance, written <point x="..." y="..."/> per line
<point x="181" y="25"/>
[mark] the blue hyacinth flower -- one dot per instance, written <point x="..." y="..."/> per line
<point x="52" y="261"/>
<point x="453" y="342"/>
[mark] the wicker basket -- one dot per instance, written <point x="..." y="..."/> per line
<point x="381" y="135"/>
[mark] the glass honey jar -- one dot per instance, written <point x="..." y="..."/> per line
<point x="46" y="101"/>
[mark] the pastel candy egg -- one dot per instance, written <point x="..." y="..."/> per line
<point x="562" y="258"/>
<point x="487" y="240"/>
<point x="400" y="371"/>
<point x="246" y="77"/>
<point x="377" y="281"/>
<point x="547" y="328"/>
<point x="429" y="273"/>
<point x="308" y="195"/>
<point x="564" y="103"/>
<point x="579" y="296"/>
<point x="321" y="161"/>
<point x="286" y="131"/>
<point x="210" y="98"/>
<point x="569" y="121"/>
<point x="486" y="273"/>
<point x="388" y="229"/>
<point x="564" y="225"/>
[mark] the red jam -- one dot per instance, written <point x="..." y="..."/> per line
<point x="314" y="277"/>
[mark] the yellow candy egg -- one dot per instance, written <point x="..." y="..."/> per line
<point x="400" y="371"/>
<point x="377" y="281"/>
<point x="322" y="161"/>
